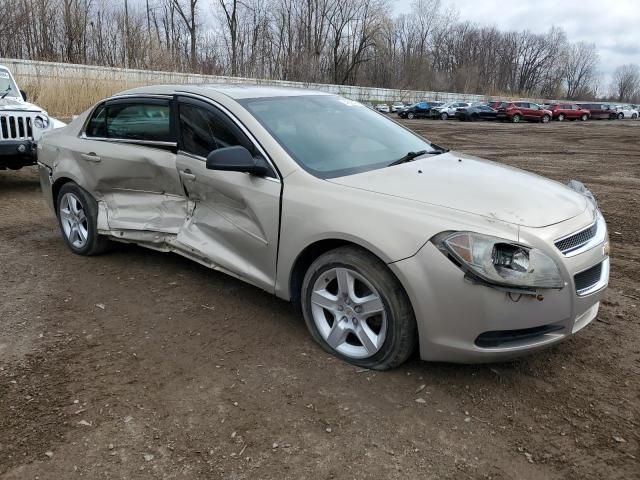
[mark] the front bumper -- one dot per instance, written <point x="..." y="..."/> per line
<point x="463" y="322"/>
<point x="15" y="154"/>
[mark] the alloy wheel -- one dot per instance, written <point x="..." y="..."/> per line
<point x="349" y="313"/>
<point x="74" y="220"/>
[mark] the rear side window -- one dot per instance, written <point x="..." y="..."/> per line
<point x="97" y="126"/>
<point x="139" y="121"/>
<point x="203" y="131"/>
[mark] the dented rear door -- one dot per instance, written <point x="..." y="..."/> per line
<point x="234" y="224"/>
<point x="128" y="157"/>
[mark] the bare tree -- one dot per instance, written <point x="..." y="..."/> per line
<point x="579" y="67"/>
<point x="188" y="14"/>
<point x="626" y="82"/>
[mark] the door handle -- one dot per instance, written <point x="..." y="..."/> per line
<point x="187" y="175"/>
<point x="90" y="157"/>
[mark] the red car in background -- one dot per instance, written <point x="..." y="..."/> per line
<point x="517" y="111"/>
<point x="599" y="111"/>
<point x="568" y="111"/>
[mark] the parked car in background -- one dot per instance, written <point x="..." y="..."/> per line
<point x="368" y="105"/>
<point x="397" y="106"/>
<point x="22" y="124"/>
<point x="417" y="110"/>
<point x="626" y="111"/>
<point x="446" y="110"/>
<point x="599" y="111"/>
<point x="322" y="202"/>
<point x="383" y="108"/>
<point x="476" y="112"/>
<point x="568" y="111"/>
<point x="495" y="104"/>
<point x="517" y="111"/>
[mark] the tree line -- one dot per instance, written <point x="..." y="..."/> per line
<point x="356" y="42"/>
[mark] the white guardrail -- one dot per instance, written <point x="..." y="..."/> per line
<point x="28" y="70"/>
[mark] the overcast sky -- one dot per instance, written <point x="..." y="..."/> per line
<point x="613" y="25"/>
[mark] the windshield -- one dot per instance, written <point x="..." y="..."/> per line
<point x="330" y="136"/>
<point x="5" y="83"/>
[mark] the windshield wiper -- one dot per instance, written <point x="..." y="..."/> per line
<point x="6" y="92"/>
<point x="437" y="150"/>
<point x="408" y="157"/>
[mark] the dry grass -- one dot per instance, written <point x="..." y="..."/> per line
<point x="65" y="97"/>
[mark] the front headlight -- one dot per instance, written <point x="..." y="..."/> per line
<point x="500" y="262"/>
<point x="41" y="121"/>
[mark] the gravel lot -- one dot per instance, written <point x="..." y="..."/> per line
<point x="139" y="364"/>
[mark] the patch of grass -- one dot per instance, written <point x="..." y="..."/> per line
<point x="65" y="97"/>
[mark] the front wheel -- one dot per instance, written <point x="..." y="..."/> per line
<point x="77" y="213"/>
<point x="584" y="117"/>
<point x="545" y="119"/>
<point x="444" y="116"/>
<point x="561" y="117"/>
<point x="620" y="116"/>
<point x="411" y="115"/>
<point x="356" y="309"/>
<point x="634" y="116"/>
<point x="515" y="118"/>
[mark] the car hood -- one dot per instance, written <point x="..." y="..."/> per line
<point x="14" y="104"/>
<point x="473" y="185"/>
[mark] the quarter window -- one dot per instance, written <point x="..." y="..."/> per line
<point x="203" y="131"/>
<point x="97" y="126"/>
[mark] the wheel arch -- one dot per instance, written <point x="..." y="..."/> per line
<point x="312" y="251"/>
<point x="55" y="189"/>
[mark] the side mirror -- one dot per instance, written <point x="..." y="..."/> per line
<point x="24" y="95"/>
<point x="236" y="159"/>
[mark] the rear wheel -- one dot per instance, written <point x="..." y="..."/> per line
<point x="77" y="213"/>
<point x="561" y="117"/>
<point x="474" y="117"/>
<point x="620" y="116"/>
<point x="444" y="116"/>
<point x="545" y="119"/>
<point x="584" y="117"/>
<point x="634" y="116"/>
<point x="411" y="115"/>
<point x="516" y="118"/>
<point x="356" y="309"/>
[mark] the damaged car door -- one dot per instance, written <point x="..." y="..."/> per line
<point x="234" y="223"/>
<point x="127" y="154"/>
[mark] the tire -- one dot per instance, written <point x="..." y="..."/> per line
<point x="411" y="115"/>
<point x="634" y="116"/>
<point x="584" y="117"/>
<point x="444" y="116"/>
<point x="621" y="116"/>
<point x="77" y="213"/>
<point x="515" y="118"/>
<point x="474" y="117"/>
<point x="561" y="117"/>
<point x="392" y="329"/>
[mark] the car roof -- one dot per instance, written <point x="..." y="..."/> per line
<point x="233" y="91"/>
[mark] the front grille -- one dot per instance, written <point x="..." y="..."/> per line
<point x="15" y="127"/>
<point x="577" y="240"/>
<point x="587" y="279"/>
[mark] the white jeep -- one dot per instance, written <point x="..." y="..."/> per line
<point x="21" y="124"/>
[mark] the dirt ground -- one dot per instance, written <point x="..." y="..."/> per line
<point x="138" y="364"/>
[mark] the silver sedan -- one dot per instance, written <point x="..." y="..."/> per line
<point x="386" y="241"/>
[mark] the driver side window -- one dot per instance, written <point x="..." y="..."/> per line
<point x="203" y="131"/>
